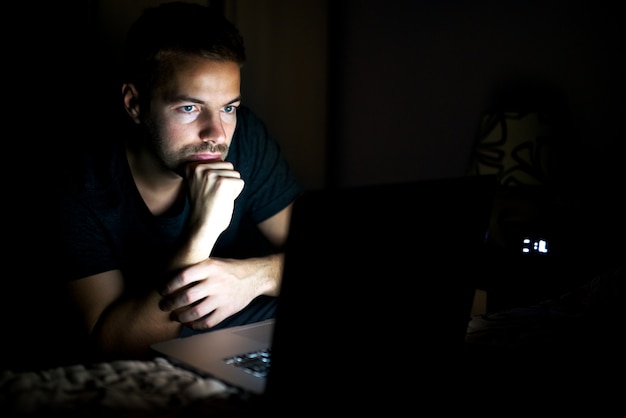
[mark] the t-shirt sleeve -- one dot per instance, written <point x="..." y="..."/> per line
<point x="270" y="183"/>
<point x="82" y="242"/>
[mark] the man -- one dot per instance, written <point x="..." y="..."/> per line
<point x="178" y="227"/>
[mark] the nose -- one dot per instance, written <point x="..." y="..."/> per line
<point x="211" y="128"/>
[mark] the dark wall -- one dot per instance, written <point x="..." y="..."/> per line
<point x="410" y="79"/>
<point x="409" y="82"/>
<point x="48" y="98"/>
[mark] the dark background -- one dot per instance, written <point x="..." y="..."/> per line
<point x="400" y="89"/>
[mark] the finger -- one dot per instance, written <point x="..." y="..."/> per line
<point x="230" y="186"/>
<point x="207" y="321"/>
<point x="199" y="167"/>
<point x="187" y="277"/>
<point x="213" y="164"/>
<point x="196" y="312"/>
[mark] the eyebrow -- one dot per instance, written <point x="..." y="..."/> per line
<point x="192" y="100"/>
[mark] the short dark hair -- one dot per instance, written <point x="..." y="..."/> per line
<point x="175" y="29"/>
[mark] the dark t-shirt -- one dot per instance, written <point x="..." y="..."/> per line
<point x="105" y="224"/>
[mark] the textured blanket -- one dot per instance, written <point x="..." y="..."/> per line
<point x="116" y="389"/>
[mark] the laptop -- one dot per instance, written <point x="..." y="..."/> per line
<point x="378" y="283"/>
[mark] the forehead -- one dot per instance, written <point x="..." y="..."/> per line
<point x="193" y="75"/>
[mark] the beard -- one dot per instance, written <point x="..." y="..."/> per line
<point x="176" y="160"/>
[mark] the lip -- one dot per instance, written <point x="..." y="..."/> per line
<point x="207" y="157"/>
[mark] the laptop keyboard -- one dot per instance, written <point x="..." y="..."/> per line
<point x="256" y="363"/>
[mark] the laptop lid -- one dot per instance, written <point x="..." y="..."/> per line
<point x="373" y="275"/>
<point x="377" y="291"/>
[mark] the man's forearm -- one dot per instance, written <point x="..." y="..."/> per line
<point x="194" y="250"/>
<point x="131" y="325"/>
<point x="269" y="272"/>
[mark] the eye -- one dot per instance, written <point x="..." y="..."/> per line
<point x="187" y="108"/>
<point x="230" y="109"/>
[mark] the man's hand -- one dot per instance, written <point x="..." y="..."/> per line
<point x="213" y="188"/>
<point x="203" y="295"/>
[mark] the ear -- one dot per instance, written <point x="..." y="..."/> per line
<point x="130" y="97"/>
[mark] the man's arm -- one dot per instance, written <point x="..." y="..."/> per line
<point x="208" y="292"/>
<point x="120" y="326"/>
<point x="276" y="228"/>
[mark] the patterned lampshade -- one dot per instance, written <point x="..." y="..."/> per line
<point x="515" y="146"/>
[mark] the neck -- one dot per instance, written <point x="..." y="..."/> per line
<point x="159" y="186"/>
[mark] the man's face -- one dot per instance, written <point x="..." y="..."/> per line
<point x="193" y="112"/>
